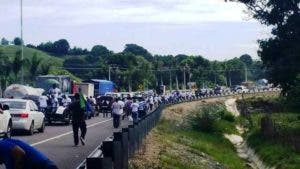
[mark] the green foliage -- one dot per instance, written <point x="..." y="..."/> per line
<point x="204" y="118"/>
<point x="274" y="154"/>
<point x="227" y="116"/>
<point x="138" y="51"/>
<point x="17" y="41"/>
<point x="280" y="53"/>
<point x="212" y="118"/>
<point x="100" y="51"/>
<point x="194" y="143"/>
<point x="246" y="59"/>
<point x="4" y="42"/>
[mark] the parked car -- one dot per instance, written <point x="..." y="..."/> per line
<point x="25" y="115"/>
<point x="5" y="122"/>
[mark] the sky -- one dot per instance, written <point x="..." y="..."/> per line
<point x="211" y="28"/>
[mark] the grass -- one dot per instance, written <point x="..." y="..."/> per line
<point x="271" y="152"/>
<point x="213" y="144"/>
<point x="274" y="154"/>
<point x="11" y="50"/>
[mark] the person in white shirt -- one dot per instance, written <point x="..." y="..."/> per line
<point x="54" y="91"/>
<point x="116" y="111"/>
<point x="135" y="110"/>
<point x="43" y="103"/>
<point x="66" y="101"/>
<point x="122" y="104"/>
<point x="151" y="102"/>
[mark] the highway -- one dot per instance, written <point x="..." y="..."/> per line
<point x="57" y="141"/>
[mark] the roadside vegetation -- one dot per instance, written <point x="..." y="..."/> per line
<point x="195" y="142"/>
<point x="273" y="131"/>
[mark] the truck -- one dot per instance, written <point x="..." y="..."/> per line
<point x="46" y="81"/>
<point x="101" y="86"/>
<point x="86" y="88"/>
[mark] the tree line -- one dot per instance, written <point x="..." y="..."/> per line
<point x="135" y="68"/>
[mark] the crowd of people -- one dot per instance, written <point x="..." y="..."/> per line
<point x="18" y="154"/>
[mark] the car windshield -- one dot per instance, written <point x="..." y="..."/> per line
<point x="15" y="104"/>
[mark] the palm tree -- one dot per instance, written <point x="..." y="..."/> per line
<point x="34" y="64"/>
<point x="5" y="70"/>
<point x="17" y="64"/>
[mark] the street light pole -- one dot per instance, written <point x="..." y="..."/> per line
<point x="109" y="68"/>
<point x="22" y="43"/>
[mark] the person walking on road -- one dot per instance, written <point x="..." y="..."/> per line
<point x="78" y="120"/>
<point x="122" y="104"/>
<point x="16" y="154"/>
<point x="135" y="110"/>
<point x="116" y="111"/>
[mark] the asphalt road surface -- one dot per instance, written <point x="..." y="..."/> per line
<point x="57" y="141"/>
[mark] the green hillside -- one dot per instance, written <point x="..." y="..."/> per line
<point x="11" y="50"/>
<point x="49" y="65"/>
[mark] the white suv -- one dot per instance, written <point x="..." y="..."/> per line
<point x="5" y="123"/>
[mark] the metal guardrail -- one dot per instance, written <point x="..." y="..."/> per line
<point x="115" y="151"/>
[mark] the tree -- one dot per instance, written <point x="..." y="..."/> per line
<point x="78" y="51"/>
<point x="47" y="47"/>
<point x="138" y="50"/>
<point x="5" y="69"/>
<point x="17" y="41"/>
<point x="17" y="64"/>
<point x="61" y="47"/>
<point x="34" y="64"/>
<point x="4" y="42"/>
<point x="246" y="59"/>
<point x="100" y="51"/>
<point x="280" y="53"/>
<point x="31" y="46"/>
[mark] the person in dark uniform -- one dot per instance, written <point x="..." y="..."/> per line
<point x="15" y="154"/>
<point x="78" y="120"/>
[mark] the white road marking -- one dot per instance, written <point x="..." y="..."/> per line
<point x="67" y="133"/>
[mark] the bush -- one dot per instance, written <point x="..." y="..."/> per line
<point x="226" y="115"/>
<point x="204" y="118"/>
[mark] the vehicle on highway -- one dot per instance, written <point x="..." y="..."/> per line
<point x="59" y="114"/>
<point x="25" y="115"/>
<point x="126" y="94"/>
<point x="113" y="94"/>
<point x="5" y="122"/>
<point x="241" y="89"/>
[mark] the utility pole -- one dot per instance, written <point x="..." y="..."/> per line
<point x="246" y="73"/>
<point x="184" y="79"/>
<point x="109" y="69"/>
<point x="229" y="79"/>
<point x="161" y="78"/>
<point x="22" y="42"/>
<point x="177" y="86"/>
<point x="170" y="80"/>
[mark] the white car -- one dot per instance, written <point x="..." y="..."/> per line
<point x="5" y="123"/>
<point x="242" y="89"/>
<point x="25" y="115"/>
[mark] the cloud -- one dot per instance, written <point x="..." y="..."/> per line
<point x="75" y="12"/>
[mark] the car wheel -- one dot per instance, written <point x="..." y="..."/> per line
<point x="42" y="129"/>
<point x="31" y="129"/>
<point x="68" y="120"/>
<point x="8" y="132"/>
